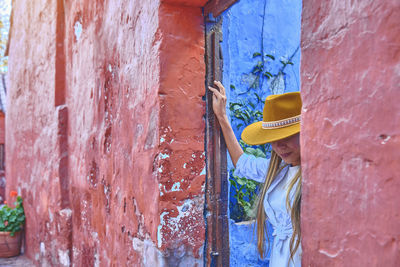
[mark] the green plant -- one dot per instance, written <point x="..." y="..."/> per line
<point x="245" y="190"/>
<point x="245" y="195"/>
<point x="12" y="218"/>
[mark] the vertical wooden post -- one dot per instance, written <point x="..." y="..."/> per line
<point x="217" y="244"/>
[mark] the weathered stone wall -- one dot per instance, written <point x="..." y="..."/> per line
<point x="112" y="99"/>
<point x="350" y="133"/>
<point x="105" y="137"/>
<point x="32" y="153"/>
<point x="182" y="156"/>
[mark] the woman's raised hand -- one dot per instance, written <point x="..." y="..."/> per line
<point x="219" y="107"/>
<point x="219" y="100"/>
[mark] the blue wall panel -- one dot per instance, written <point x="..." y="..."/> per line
<point x="267" y="27"/>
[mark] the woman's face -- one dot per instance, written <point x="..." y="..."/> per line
<point x="288" y="149"/>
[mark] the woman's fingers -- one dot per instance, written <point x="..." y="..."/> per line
<point x="220" y="86"/>
<point x="219" y="100"/>
<point x="215" y="92"/>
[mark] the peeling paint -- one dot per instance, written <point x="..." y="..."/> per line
<point x="63" y="257"/>
<point x="203" y="172"/>
<point x="51" y="216"/>
<point x="159" y="228"/>
<point x="149" y="254"/>
<point x="176" y="187"/>
<point x="77" y="30"/>
<point x="174" y="224"/>
<point x="160" y="169"/>
<point x="164" y="156"/>
<point x="96" y="260"/>
<point x="42" y="248"/>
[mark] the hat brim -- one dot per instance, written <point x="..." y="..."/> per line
<point x="254" y="134"/>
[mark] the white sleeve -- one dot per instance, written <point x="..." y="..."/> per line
<point x="252" y="167"/>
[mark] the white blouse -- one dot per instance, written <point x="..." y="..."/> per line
<point x="275" y="206"/>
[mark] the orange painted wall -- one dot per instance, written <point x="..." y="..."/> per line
<point x="350" y="134"/>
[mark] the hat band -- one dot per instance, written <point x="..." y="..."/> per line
<point x="281" y="123"/>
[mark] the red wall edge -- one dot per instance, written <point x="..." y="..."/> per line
<point x="350" y="134"/>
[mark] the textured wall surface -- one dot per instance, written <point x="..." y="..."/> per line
<point x="106" y="133"/>
<point x="182" y="157"/>
<point x="32" y="153"/>
<point x="350" y="133"/>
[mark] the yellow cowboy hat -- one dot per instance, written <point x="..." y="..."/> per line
<point x="281" y="119"/>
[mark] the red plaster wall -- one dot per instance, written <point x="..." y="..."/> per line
<point x="105" y="137"/>
<point x="32" y="157"/>
<point x="113" y="74"/>
<point x="350" y="133"/>
<point x="182" y="156"/>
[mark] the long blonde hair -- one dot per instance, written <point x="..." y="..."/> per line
<point x="273" y="170"/>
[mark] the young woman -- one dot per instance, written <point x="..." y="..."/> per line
<point x="281" y="174"/>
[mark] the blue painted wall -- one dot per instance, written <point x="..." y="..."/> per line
<point x="267" y="27"/>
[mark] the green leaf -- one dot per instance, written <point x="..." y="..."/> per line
<point x="258" y="97"/>
<point x="268" y="74"/>
<point x="233" y="182"/>
<point x="234" y="106"/>
<point x="247" y="114"/>
<point x="270" y="56"/>
<point x="256" y="54"/>
<point x="258" y="113"/>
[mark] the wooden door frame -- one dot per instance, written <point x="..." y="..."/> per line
<point x="217" y="251"/>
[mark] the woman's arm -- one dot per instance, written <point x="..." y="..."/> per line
<point x="219" y="107"/>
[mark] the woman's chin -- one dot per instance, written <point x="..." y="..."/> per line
<point x="291" y="161"/>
